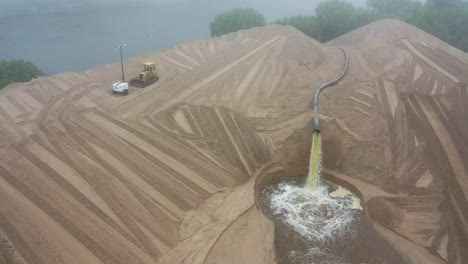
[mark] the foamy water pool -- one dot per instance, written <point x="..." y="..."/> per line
<point x="326" y="226"/>
<point x="318" y="215"/>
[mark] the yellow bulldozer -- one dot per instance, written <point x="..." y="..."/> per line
<point x="146" y="77"/>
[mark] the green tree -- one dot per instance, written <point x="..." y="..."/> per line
<point x="394" y="6"/>
<point x="362" y="17"/>
<point x="307" y="24"/>
<point x="445" y="19"/>
<point x="17" y="71"/>
<point x="235" y="20"/>
<point x="444" y="3"/>
<point x="337" y="17"/>
<point x="448" y="24"/>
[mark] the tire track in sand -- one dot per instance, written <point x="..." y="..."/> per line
<point x="168" y="96"/>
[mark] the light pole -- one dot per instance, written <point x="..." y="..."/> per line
<point x="120" y="48"/>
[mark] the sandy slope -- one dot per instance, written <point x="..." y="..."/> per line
<point x="169" y="173"/>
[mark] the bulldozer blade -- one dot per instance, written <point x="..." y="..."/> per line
<point x="137" y="83"/>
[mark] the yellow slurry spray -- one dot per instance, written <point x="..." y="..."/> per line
<point x="315" y="164"/>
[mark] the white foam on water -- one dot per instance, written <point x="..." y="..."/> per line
<point x="315" y="215"/>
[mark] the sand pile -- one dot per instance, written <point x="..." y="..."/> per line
<point x="170" y="173"/>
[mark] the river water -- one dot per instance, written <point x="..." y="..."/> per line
<point x="65" y="35"/>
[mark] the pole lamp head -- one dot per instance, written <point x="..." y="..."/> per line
<point x="121" y="47"/>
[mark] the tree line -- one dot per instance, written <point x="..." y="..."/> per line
<point x="17" y="71"/>
<point x="445" y="19"/>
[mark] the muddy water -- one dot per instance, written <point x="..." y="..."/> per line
<point x="314" y="227"/>
<point x="315" y="163"/>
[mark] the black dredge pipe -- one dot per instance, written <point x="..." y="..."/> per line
<point x="326" y="85"/>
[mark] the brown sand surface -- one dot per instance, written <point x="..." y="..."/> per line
<point x="170" y="173"/>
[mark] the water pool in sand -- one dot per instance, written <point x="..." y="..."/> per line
<point x="316" y="215"/>
<point x="327" y="225"/>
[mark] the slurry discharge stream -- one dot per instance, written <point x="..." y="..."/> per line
<point x="311" y="210"/>
<point x="315" y="163"/>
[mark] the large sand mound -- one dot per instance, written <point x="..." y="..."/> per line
<point x="170" y="173"/>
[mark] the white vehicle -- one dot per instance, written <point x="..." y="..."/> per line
<point x="120" y="88"/>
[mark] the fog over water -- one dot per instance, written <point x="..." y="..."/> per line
<point x="66" y="35"/>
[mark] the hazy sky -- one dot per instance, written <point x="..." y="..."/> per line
<point x="272" y="9"/>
